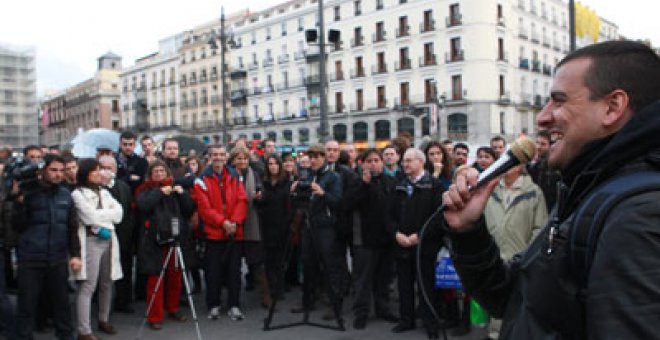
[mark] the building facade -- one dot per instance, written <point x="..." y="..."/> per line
<point x="486" y="64"/>
<point x="18" y="91"/>
<point x="93" y="103"/>
<point x="150" y="90"/>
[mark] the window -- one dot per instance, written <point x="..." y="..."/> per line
<point x="339" y="73"/>
<point x="301" y="24"/>
<point x="359" y="99"/>
<point x="457" y="127"/>
<point x="502" y="90"/>
<point x="456" y="87"/>
<point x="500" y="49"/>
<point x="454" y="15"/>
<point x="254" y="37"/>
<point x="339" y="102"/>
<point x="337" y="13"/>
<point x="268" y="33"/>
<point x="357" y="36"/>
<point x="382" y="130"/>
<point x="358" y="7"/>
<point x="380" y="31"/>
<point x="403" y="29"/>
<point x="404" y="92"/>
<point x="429" y="57"/>
<point x="380" y="59"/>
<point x="429" y="91"/>
<point x="283" y="28"/>
<point x="404" y="59"/>
<point x="380" y="97"/>
<point x="339" y="132"/>
<point x="360" y="132"/>
<point x="500" y="12"/>
<point x="455" y="48"/>
<point x="428" y="24"/>
<point x="359" y="68"/>
<point x="379" y="4"/>
<point x="502" y="123"/>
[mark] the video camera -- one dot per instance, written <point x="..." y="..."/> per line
<point x="22" y="170"/>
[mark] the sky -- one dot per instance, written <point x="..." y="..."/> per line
<point x="69" y="35"/>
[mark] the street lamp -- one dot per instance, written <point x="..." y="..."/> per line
<point x="213" y="42"/>
<point x="439" y="102"/>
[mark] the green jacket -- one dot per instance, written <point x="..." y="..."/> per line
<point x="515" y="227"/>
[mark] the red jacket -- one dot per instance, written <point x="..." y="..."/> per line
<point x="207" y="194"/>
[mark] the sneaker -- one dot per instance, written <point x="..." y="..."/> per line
<point x="235" y="314"/>
<point x="214" y="313"/>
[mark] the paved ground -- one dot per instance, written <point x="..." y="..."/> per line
<point x="251" y="327"/>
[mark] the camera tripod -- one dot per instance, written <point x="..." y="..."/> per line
<point x="175" y="250"/>
<point x="288" y="251"/>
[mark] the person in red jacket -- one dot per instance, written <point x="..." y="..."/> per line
<point x="222" y="206"/>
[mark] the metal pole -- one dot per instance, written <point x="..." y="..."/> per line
<point x="223" y="75"/>
<point x="323" y="77"/>
<point x="571" y="24"/>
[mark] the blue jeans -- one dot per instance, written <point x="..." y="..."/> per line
<point x="7" y="320"/>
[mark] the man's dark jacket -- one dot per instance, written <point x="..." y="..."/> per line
<point x="344" y="212"/>
<point x="47" y="225"/>
<point x="126" y="232"/>
<point x="538" y="295"/>
<point x="131" y="165"/>
<point x="372" y="201"/>
<point x="323" y="210"/>
<point x="412" y="211"/>
<point x="546" y="179"/>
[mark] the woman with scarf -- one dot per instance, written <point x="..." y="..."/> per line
<point x="97" y="213"/>
<point x="252" y="247"/>
<point x="162" y="205"/>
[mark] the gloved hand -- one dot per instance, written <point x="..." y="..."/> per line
<point x="104" y="233"/>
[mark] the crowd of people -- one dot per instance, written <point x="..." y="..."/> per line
<point x="112" y="223"/>
<point x="339" y="223"/>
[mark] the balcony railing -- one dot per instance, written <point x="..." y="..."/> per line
<point x="357" y="41"/>
<point x="298" y="55"/>
<point x="403" y="31"/>
<point x="268" y="62"/>
<point x="454" y="20"/>
<point x="536" y="66"/>
<point x="403" y="64"/>
<point x="337" y="76"/>
<point x="253" y="65"/>
<point x="427" y="26"/>
<point x="379" y="37"/>
<point x="429" y="60"/>
<point x="283" y="59"/>
<point x="357" y="73"/>
<point x="379" y="69"/>
<point x="454" y="56"/>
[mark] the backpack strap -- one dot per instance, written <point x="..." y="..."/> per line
<point x="589" y="219"/>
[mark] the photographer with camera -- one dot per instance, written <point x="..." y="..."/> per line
<point x="319" y="236"/>
<point x="97" y="213"/>
<point x="222" y="206"/>
<point x="166" y="209"/>
<point x="45" y="220"/>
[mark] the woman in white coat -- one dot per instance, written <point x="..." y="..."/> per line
<point x="97" y="212"/>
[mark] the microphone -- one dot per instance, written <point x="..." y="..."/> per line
<point x="521" y="151"/>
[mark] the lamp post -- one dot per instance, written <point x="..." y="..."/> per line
<point x="571" y="23"/>
<point x="223" y="70"/>
<point x="323" y="78"/>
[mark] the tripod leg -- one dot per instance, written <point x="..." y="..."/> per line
<point x="188" y="292"/>
<point x="153" y="294"/>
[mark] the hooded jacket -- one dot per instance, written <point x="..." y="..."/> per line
<point x="538" y="293"/>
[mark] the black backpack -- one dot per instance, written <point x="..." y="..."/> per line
<point x="589" y="219"/>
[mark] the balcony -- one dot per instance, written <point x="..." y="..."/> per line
<point x="213" y="77"/>
<point x="524" y="63"/>
<point x="268" y="62"/>
<point x="192" y="81"/>
<point x="547" y="69"/>
<point x="546" y="42"/>
<point x="357" y="41"/>
<point x="523" y="33"/>
<point x="202" y="79"/>
<point x="379" y="69"/>
<point x="337" y="76"/>
<point x="283" y="59"/>
<point x="556" y="45"/>
<point x="339" y="108"/>
<point x="535" y="37"/>
<point x="401" y="103"/>
<point x="536" y="66"/>
<point x="427" y="26"/>
<point x="357" y="73"/>
<point x="299" y="55"/>
<point x="379" y="37"/>
<point x="239" y="97"/>
<point x="403" y="31"/>
<point x="454" y="20"/>
<point x="240" y="120"/>
<point x="454" y="56"/>
<point x="183" y="83"/>
<point x="429" y="60"/>
<point x="239" y="73"/>
<point x="403" y="64"/>
<point x="253" y="65"/>
<point x="357" y="107"/>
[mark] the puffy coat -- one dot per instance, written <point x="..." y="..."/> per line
<point x="214" y="209"/>
<point x="47" y="225"/>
